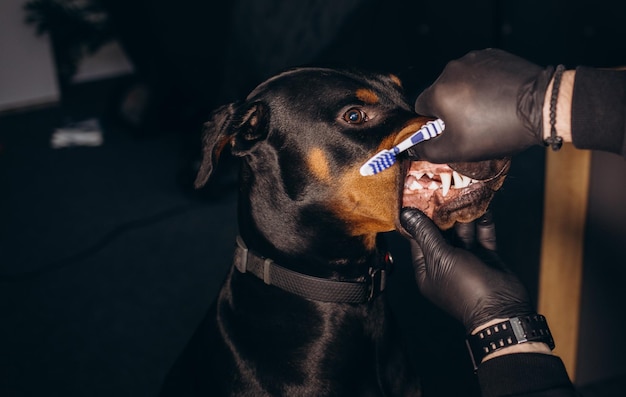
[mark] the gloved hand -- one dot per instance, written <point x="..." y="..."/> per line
<point x="473" y="288"/>
<point x="492" y="104"/>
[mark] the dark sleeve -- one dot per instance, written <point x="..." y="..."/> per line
<point x="525" y="374"/>
<point x="599" y="110"/>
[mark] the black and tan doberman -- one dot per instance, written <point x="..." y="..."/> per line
<point x="302" y="311"/>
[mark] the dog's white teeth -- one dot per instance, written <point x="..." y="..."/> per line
<point x="415" y="185"/>
<point x="446" y="181"/>
<point x="461" y="181"/>
<point x="417" y="174"/>
<point x="458" y="179"/>
<point x="466" y="180"/>
<point x="449" y="180"/>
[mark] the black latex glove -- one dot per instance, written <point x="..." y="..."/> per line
<point x="473" y="290"/>
<point x="492" y="104"/>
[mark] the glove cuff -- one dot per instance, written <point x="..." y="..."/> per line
<point x="530" y="100"/>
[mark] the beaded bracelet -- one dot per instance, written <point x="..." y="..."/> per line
<point x="554" y="141"/>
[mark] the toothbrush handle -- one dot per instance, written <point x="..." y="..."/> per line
<point x="429" y="130"/>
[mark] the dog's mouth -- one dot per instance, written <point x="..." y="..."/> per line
<point x="449" y="193"/>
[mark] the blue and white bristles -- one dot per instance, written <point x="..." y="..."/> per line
<point x="387" y="157"/>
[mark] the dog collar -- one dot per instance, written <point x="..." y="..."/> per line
<point x="311" y="287"/>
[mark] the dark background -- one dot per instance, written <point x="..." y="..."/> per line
<point x="109" y="259"/>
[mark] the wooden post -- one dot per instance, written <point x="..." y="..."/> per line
<point x="560" y="275"/>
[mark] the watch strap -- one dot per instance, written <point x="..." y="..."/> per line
<point x="514" y="331"/>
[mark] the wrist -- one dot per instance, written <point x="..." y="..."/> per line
<point x="529" y="347"/>
<point x="502" y="336"/>
<point x="563" y="107"/>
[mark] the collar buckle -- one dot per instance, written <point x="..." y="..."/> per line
<point x="378" y="276"/>
<point x="378" y="281"/>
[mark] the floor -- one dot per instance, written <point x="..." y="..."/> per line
<point x="108" y="262"/>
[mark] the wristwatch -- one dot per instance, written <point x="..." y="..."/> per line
<point x="510" y="332"/>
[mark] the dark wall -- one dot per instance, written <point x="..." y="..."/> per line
<point x="588" y="33"/>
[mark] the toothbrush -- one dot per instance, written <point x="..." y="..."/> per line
<point x="387" y="157"/>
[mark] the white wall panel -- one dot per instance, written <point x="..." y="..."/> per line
<point x="27" y="75"/>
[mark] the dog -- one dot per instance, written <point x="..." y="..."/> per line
<point x="302" y="311"/>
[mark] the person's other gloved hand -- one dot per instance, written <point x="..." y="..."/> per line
<point x="492" y="104"/>
<point x="474" y="289"/>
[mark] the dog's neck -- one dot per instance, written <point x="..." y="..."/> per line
<point x="340" y="257"/>
<point x="361" y="289"/>
<point x="307" y="239"/>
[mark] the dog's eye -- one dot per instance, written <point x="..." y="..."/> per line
<point x="355" y="116"/>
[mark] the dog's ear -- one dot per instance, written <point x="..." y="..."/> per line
<point x="217" y="133"/>
<point x="241" y="126"/>
<point x="251" y="128"/>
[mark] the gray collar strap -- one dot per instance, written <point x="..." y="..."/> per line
<point x="310" y="287"/>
